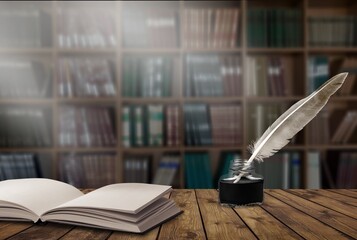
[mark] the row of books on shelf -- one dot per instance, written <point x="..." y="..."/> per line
<point x="87" y="170"/>
<point x="86" y="127"/>
<point x="19" y="165"/>
<point x="139" y="169"/>
<point x="151" y="27"/>
<point x="213" y="75"/>
<point x="85" y="77"/>
<point x="151" y="76"/>
<point x="212" y="125"/>
<point x="151" y="125"/>
<point x="83" y="28"/>
<point x="158" y="76"/>
<point x="211" y="28"/>
<point x="283" y="170"/>
<point x="274" y="27"/>
<point x="24" y="127"/>
<point x="24" y="78"/>
<point x="332" y="31"/>
<point x="25" y="28"/>
<point x="269" y="76"/>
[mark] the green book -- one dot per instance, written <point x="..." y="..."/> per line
<point x="279" y="25"/>
<point x="155" y="125"/>
<point x="188" y="171"/>
<point x="126" y="126"/>
<point x="207" y="171"/>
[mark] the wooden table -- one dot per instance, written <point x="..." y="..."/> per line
<point x="285" y="214"/>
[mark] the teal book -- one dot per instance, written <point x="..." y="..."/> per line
<point x="188" y="172"/>
<point x="320" y="72"/>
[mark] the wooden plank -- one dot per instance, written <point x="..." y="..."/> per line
<point x="8" y="229"/>
<point x="188" y="225"/>
<point x="261" y="222"/>
<point x="49" y="231"/>
<point x="342" y="198"/>
<point x="304" y="225"/>
<point x="332" y="218"/>
<point x="152" y="234"/>
<point x="220" y="222"/>
<point x="346" y="192"/>
<point x="315" y="196"/>
<point x="86" y="233"/>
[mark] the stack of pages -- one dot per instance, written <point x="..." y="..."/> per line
<point x="131" y="207"/>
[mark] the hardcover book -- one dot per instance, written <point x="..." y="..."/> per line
<point x="130" y="207"/>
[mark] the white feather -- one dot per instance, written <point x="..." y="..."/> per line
<point x="292" y="121"/>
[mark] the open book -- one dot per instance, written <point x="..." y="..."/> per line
<point x="131" y="207"/>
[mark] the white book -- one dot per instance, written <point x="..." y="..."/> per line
<point x="126" y="127"/>
<point x="131" y="207"/>
<point x="139" y="125"/>
<point x="313" y="170"/>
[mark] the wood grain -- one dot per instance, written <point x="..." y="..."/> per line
<point x="152" y="234"/>
<point x="8" y="229"/>
<point x="345" y="192"/>
<point x="332" y="218"/>
<point x="285" y="214"/>
<point x="188" y="225"/>
<point x="86" y="233"/>
<point x="337" y="205"/>
<point x="49" y="231"/>
<point x="220" y="222"/>
<point x="304" y="225"/>
<point x="264" y="225"/>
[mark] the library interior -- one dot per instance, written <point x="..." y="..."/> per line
<point x="171" y="92"/>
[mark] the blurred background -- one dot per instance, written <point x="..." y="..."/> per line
<point x="98" y="92"/>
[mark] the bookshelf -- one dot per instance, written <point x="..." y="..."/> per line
<point x="179" y="49"/>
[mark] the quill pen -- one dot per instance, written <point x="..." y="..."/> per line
<point x="289" y="123"/>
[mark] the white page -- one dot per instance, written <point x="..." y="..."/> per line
<point x="37" y="194"/>
<point x="123" y="197"/>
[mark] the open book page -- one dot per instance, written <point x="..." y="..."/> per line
<point x="35" y="194"/>
<point x="123" y="197"/>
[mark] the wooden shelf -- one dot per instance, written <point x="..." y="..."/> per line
<point x="276" y="50"/>
<point x="86" y="149"/>
<point x="150" y="50"/>
<point x="93" y="100"/>
<point x="328" y="50"/>
<point x="87" y="50"/>
<point x="212" y="148"/>
<point x="29" y="51"/>
<point x="29" y="101"/>
<point x="273" y="99"/>
<point x="150" y="100"/>
<point x="212" y="50"/>
<point x="118" y="54"/>
<point x="212" y="99"/>
<point x="134" y="150"/>
<point x="28" y="150"/>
